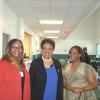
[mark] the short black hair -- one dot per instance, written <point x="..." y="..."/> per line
<point x="47" y="40"/>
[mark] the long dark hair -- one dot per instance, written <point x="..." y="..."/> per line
<point x="7" y="53"/>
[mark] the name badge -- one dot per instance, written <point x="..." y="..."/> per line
<point x="22" y="74"/>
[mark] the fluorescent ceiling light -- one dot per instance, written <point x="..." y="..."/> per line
<point x="51" y="31"/>
<point x="51" y="21"/>
<point x="54" y="37"/>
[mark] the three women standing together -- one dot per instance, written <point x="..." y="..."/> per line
<point x="45" y="78"/>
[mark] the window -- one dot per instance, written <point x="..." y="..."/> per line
<point x="98" y="50"/>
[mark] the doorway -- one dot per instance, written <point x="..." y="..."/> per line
<point x="5" y="42"/>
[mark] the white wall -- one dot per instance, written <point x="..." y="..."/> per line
<point x="85" y="31"/>
<point x="84" y="35"/>
<point x="64" y="46"/>
<point x="10" y="22"/>
<point x="98" y="25"/>
<point x="35" y="45"/>
<point x="1" y="25"/>
<point x="13" y="25"/>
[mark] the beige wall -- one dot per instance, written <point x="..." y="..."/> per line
<point x="27" y="44"/>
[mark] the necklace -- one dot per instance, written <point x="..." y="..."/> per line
<point x="50" y="59"/>
<point x="74" y="67"/>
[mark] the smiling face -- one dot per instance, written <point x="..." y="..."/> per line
<point x="16" y="50"/>
<point x="74" y="55"/>
<point x="47" y="50"/>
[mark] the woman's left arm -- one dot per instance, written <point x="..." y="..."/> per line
<point x="92" y="81"/>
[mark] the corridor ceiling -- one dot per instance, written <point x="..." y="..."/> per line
<point x="72" y="12"/>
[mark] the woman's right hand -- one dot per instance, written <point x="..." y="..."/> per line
<point x="76" y="89"/>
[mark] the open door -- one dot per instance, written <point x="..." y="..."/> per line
<point x="5" y="42"/>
